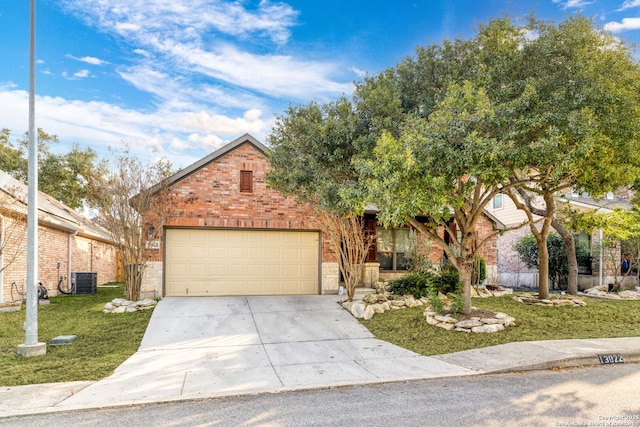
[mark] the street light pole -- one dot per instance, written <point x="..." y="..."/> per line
<point x="31" y="346"/>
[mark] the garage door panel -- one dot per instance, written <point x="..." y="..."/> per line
<point x="241" y="262"/>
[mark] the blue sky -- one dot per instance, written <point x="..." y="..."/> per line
<point x="179" y="78"/>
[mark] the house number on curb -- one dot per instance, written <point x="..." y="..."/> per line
<point x="608" y="359"/>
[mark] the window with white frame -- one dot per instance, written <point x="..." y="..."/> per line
<point x="497" y="201"/>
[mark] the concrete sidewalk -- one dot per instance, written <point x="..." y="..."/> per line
<point x="214" y="347"/>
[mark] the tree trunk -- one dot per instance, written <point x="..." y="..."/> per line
<point x="543" y="265"/>
<point x="464" y="275"/>
<point x="570" y="243"/>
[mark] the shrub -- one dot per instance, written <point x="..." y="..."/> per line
<point x="432" y="294"/>
<point x="479" y="271"/>
<point x="415" y="284"/>
<point x="527" y="250"/>
<point x="448" y="280"/>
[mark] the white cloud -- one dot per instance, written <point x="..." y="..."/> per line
<point x="88" y="59"/>
<point x="183" y="33"/>
<point x="358" y="72"/>
<point x="275" y="75"/>
<point x="186" y="19"/>
<point x="210" y="140"/>
<point x="125" y="27"/>
<point x="177" y="92"/>
<point x="206" y="88"/>
<point x="180" y="136"/>
<point x="625" y="25"/>
<point x="573" y="4"/>
<point x="251" y="121"/>
<point x="628" y="4"/>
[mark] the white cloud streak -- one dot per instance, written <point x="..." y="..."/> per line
<point x="628" y="4"/>
<point x="572" y="4"/>
<point x="627" y="24"/>
<point x="88" y="59"/>
<point x="185" y="33"/>
<point x="159" y="133"/>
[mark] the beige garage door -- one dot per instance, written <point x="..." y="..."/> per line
<point x="240" y="262"/>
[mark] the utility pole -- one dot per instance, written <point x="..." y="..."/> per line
<point x="31" y="346"/>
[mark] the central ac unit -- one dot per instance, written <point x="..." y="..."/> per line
<point x="84" y="282"/>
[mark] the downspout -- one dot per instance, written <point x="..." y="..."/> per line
<point x="69" y="259"/>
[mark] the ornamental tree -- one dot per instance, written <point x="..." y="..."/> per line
<point x="445" y="168"/>
<point x="581" y="125"/>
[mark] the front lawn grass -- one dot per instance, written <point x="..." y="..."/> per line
<point x="599" y="319"/>
<point x="104" y="340"/>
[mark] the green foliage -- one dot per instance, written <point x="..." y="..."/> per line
<point x="479" y="273"/>
<point x="62" y="176"/>
<point x="457" y="303"/>
<point x="448" y="280"/>
<point x="311" y="152"/>
<point x="416" y="256"/>
<point x="527" y="249"/>
<point x="443" y="132"/>
<point x="434" y="300"/>
<point x="415" y="284"/>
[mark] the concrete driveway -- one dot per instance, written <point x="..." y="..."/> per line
<point x="197" y="347"/>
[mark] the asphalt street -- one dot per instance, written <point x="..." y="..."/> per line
<point x="591" y="396"/>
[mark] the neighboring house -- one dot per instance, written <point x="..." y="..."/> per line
<point x="513" y="273"/>
<point x="67" y="242"/>
<point x="229" y="234"/>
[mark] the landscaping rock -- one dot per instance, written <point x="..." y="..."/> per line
<point x="360" y="310"/>
<point x="445" y="319"/>
<point x="553" y="301"/>
<point x="446" y="326"/>
<point x="497" y="322"/>
<point x="600" y="292"/>
<point x="410" y="302"/>
<point x="378" y="308"/>
<point x="487" y="329"/>
<point x="495" y="291"/>
<point x="467" y="324"/>
<point x="382" y="301"/>
<point x="370" y="298"/>
<point x="628" y="295"/>
<point x="121" y="305"/>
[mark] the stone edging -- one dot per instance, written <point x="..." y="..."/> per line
<point x="600" y="292"/>
<point x="553" y="301"/>
<point x="380" y="302"/>
<point x="121" y="305"/>
<point x="475" y="324"/>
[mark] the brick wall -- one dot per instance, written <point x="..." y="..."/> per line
<point x="53" y="248"/>
<point x="211" y="197"/>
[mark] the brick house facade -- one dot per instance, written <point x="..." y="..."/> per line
<point x="512" y="272"/>
<point x="226" y="190"/>
<point x="67" y="242"/>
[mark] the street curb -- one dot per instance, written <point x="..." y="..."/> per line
<point x="566" y="362"/>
